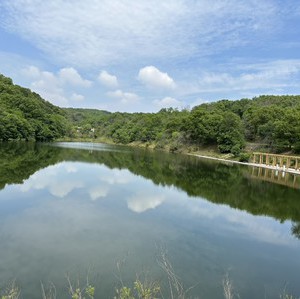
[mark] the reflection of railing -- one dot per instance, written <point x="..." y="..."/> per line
<point x="277" y="162"/>
<point x="276" y="176"/>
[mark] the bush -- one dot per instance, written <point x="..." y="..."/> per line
<point x="244" y="157"/>
<point x="296" y="148"/>
<point x="236" y="150"/>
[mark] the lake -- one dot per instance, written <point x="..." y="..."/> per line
<point x="109" y="212"/>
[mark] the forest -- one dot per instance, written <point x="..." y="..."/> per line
<point x="268" y="120"/>
<point x="272" y="122"/>
<point x="24" y="115"/>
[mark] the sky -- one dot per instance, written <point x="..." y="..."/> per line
<point x="141" y="56"/>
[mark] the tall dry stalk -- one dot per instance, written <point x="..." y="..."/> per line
<point x="50" y="293"/>
<point x="12" y="291"/>
<point x="176" y="288"/>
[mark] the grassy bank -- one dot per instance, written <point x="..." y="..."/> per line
<point x="211" y="151"/>
<point x="141" y="288"/>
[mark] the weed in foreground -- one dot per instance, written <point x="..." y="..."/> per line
<point x="12" y="291"/>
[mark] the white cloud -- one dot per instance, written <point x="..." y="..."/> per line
<point x="115" y="176"/>
<point x="168" y="102"/>
<point x="87" y="34"/>
<point x="70" y="168"/>
<point x="143" y="202"/>
<point x="55" y="87"/>
<point x="257" y="227"/>
<point x="124" y="97"/>
<point x="107" y="79"/>
<point x="48" y="87"/>
<point x="262" y="77"/>
<point x="70" y="75"/>
<point x="198" y="101"/>
<point x="32" y="72"/>
<point x="77" y="97"/>
<point x="85" y="37"/>
<point x="154" y="78"/>
<point x="98" y="192"/>
<point x="49" y="178"/>
<point x="61" y="189"/>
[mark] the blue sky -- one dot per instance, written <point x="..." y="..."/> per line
<point x="122" y="55"/>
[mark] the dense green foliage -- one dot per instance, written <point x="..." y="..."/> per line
<point x="170" y="128"/>
<point x="83" y="120"/>
<point x="25" y="115"/>
<point x="19" y="160"/>
<point x="271" y="121"/>
<point x="274" y="120"/>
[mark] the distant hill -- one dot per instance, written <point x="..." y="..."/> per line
<point x="269" y="121"/>
<point x="82" y="116"/>
<point x="24" y="115"/>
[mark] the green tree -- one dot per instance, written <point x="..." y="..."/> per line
<point x="230" y="136"/>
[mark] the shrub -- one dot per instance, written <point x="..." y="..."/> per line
<point x="296" y="148"/>
<point x="244" y="157"/>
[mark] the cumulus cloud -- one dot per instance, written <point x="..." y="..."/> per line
<point x="124" y="97"/>
<point x="115" y="176"/>
<point x="53" y="87"/>
<point x="71" y="76"/>
<point x="77" y="97"/>
<point x="154" y="78"/>
<point x="48" y="86"/>
<point x="31" y="72"/>
<point x="168" y="102"/>
<point x="143" y="202"/>
<point x="98" y="192"/>
<point x="86" y="37"/>
<point x="50" y="179"/>
<point x="107" y="79"/>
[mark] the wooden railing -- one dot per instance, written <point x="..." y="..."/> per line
<point x="282" y="162"/>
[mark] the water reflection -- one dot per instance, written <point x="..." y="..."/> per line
<point x="97" y="181"/>
<point x="62" y="207"/>
<point x="276" y="177"/>
<point x="232" y="185"/>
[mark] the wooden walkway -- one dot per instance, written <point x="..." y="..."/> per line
<point x="278" y="162"/>
<point x="265" y="168"/>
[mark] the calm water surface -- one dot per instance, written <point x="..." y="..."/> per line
<point x="79" y="209"/>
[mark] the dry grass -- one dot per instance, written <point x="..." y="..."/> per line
<point x="12" y="291"/>
<point x="142" y="287"/>
<point x="49" y="293"/>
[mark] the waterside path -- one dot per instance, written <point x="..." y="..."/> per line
<point x="261" y="165"/>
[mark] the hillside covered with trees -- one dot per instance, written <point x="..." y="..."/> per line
<point x="25" y="115"/>
<point x="271" y="121"/>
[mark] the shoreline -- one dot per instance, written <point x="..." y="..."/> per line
<point x="281" y="169"/>
<point x="228" y="161"/>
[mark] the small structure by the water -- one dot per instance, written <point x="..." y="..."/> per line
<point x="278" y="162"/>
<point x="279" y="169"/>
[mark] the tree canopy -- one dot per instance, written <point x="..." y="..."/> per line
<point x="273" y="121"/>
<point x="25" y="115"/>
